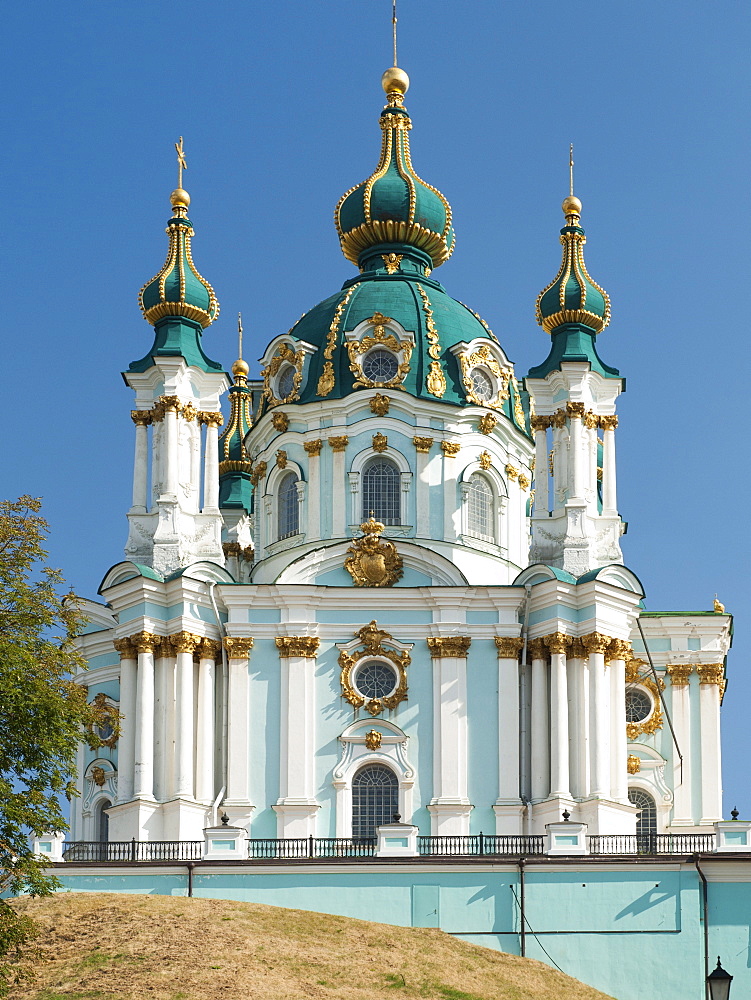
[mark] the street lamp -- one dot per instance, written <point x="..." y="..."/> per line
<point x="719" y="983"/>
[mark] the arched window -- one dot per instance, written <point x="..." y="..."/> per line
<point x="288" y="508"/>
<point x="380" y="491"/>
<point x="375" y="799"/>
<point x="480" y="508"/>
<point x="646" y="820"/>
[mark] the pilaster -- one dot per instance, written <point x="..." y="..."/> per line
<point x="450" y="807"/>
<point x="237" y="803"/>
<point x="508" y="805"/>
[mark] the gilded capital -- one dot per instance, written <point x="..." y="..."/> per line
<point x="141" y="418"/>
<point x="170" y="403"/>
<point x="577" y="650"/>
<point x="558" y="419"/>
<point x="540" y="423"/>
<point x="619" y="649"/>
<point x="339" y="442"/>
<point x="557" y="642"/>
<point x="679" y="673"/>
<point x="422" y="444"/>
<point x="609" y="422"/>
<point x="452" y="645"/>
<point x="185" y="642"/>
<point x="313" y="447"/>
<point x="711" y="673"/>
<point x="145" y="642"/>
<point x="537" y="649"/>
<point x="213" y="419"/>
<point x="591" y="420"/>
<point x="596" y="642"/>
<point x="297" y="645"/>
<point x="125" y="648"/>
<point x="508" y="646"/>
<point x="450" y="448"/>
<point x="574" y="409"/>
<point x="209" y="649"/>
<point x="280" y="421"/>
<point x="165" y="647"/>
<point x="238" y="646"/>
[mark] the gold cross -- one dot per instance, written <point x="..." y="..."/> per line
<point x="182" y="163"/>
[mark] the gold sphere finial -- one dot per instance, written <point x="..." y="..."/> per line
<point x="179" y="198"/>
<point x="240" y="367"/>
<point x="395" y="80"/>
<point x="571" y="205"/>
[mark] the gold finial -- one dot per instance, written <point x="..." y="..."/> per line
<point x="571" y="206"/>
<point x="719" y="608"/>
<point x="180" y="199"/>
<point x="240" y="368"/>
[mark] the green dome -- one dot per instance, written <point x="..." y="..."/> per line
<point x="394" y="206"/>
<point x="178" y="289"/>
<point x="572" y="296"/>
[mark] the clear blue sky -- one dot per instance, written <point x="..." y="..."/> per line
<point x="278" y="104"/>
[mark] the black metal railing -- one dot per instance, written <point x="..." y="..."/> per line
<point x="479" y="845"/>
<point x="134" y="850"/>
<point x="652" y="843"/>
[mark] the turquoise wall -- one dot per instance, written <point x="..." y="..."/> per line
<point x="632" y="932"/>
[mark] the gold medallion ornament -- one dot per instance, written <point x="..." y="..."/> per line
<point x="379" y="405"/>
<point x="486" y="460"/>
<point x="373" y="740"/>
<point x="280" y="421"/>
<point x="372" y="561"/>
<point x="633" y="764"/>
<point x="375" y="643"/>
<point x="380" y="442"/>
<point x="392" y="261"/>
<point x="486" y="423"/>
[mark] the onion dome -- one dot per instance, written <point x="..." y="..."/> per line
<point x="394" y="209"/>
<point x="572" y="296"/>
<point x="235" y="489"/>
<point x="178" y="289"/>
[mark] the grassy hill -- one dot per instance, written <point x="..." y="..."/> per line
<point x="113" y="946"/>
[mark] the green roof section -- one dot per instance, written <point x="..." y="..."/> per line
<point x="177" y="337"/>
<point x="235" y="487"/>
<point x="574" y="342"/>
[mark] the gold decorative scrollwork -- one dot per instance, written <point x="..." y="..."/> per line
<point x="511" y="471"/>
<point x="281" y="459"/>
<point x="485" y="460"/>
<point x="380" y="442"/>
<point x="375" y="642"/>
<point x="392" y="261"/>
<point x="372" y="561"/>
<point x="633" y="764"/>
<point x="483" y="357"/>
<point x="450" y="448"/>
<point x="486" y="423"/>
<point x="280" y="421"/>
<point x="523" y="481"/>
<point x="653" y="722"/>
<point x="284" y="355"/>
<point x="259" y="471"/>
<point x="379" y="337"/>
<point x="380" y="405"/>
<point x="435" y="380"/>
<point x="373" y="740"/>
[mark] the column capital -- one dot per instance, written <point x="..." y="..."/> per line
<point x="297" y="645"/>
<point x="619" y="649"/>
<point x="451" y="645"/>
<point x="238" y="646"/>
<point x="126" y="648"/>
<point x="165" y="647"/>
<point x="185" y="642"/>
<point x="609" y="422"/>
<point x="711" y="673"/>
<point x="540" y="423"/>
<point x="209" y="649"/>
<point x="141" y="418"/>
<point x="313" y="447"/>
<point x="596" y="642"/>
<point x="679" y="673"/>
<point x="577" y="650"/>
<point x="508" y="646"/>
<point x="558" y="419"/>
<point x="170" y="403"/>
<point x="537" y="649"/>
<point x="146" y="642"/>
<point x="557" y="642"/>
<point x="591" y="420"/>
<point x="575" y="409"/>
<point x="338" y="442"/>
<point x="210" y="418"/>
<point x="422" y="444"/>
<point x="450" y="448"/>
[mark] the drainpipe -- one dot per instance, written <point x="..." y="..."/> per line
<point x="705" y="907"/>
<point x="522" y="911"/>
<point x="191" y="866"/>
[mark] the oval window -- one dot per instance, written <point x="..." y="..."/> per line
<point x="482" y="384"/>
<point x="638" y="705"/>
<point x="375" y="679"/>
<point x="285" y="384"/>
<point x="380" y="366"/>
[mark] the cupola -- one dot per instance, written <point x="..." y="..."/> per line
<point x="235" y="488"/>
<point x="394" y="212"/>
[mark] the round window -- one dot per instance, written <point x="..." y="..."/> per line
<point x="285" y="385"/>
<point x="375" y="679"/>
<point x="482" y="385"/>
<point x="638" y="705"/>
<point x="380" y="366"/>
<point x="105" y="730"/>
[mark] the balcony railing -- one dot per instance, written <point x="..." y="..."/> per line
<point x="301" y="848"/>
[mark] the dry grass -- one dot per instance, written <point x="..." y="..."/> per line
<point x="122" y="947"/>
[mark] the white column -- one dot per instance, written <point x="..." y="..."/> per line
<point x="205" y="737"/>
<point x="508" y="720"/>
<point x="578" y="719"/>
<point x="313" y="448"/>
<point x="710" y="685"/>
<point x="680" y="706"/>
<point x="576" y="481"/>
<point x="609" y="497"/>
<point x="561" y="490"/>
<point x="451" y="511"/>
<point x="619" y="744"/>
<point x="338" y="444"/>
<point x="126" y="745"/>
<point x="170" y="460"/>
<point x="540" y="425"/>
<point x="143" y="778"/>
<point x="557" y="644"/>
<point x="596" y="645"/>
<point x="184" y="644"/>
<point x="450" y="806"/>
<point x="211" y="461"/>
<point x="422" y="486"/>
<point x="157" y="458"/>
<point x="162" y="698"/>
<point x="141" y="418"/>
<point x="539" y="727"/>
<point x="296" y="807"/>
<point x="238" y="720"/>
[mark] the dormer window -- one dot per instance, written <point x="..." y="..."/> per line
<point x="482" y="383"/>
<point x="285" y="383"/>
<point x="379" y="353"/>
<point x="380" y="366"/>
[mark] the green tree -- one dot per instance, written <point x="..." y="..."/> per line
<point x="44" y="714"/>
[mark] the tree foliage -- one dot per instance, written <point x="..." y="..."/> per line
<point x="44" y="714"/>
